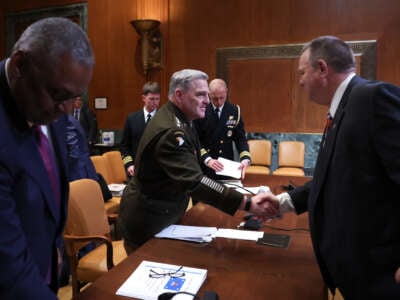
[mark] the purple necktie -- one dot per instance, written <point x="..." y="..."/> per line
<point x="48" y="160"/>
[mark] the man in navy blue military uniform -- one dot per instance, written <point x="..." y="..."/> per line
<point x="219" y="129"/>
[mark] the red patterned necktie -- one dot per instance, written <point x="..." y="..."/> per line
<point x="327" y="127"/>
<point x="328" y="121"/>
<point x="48" y="160"/>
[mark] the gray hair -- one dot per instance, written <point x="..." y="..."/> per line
<point x="337" y="54"/>
<point x="53" y="37"/>
<point x="182" y="79"/>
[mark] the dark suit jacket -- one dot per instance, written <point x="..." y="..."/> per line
<point x="218" y="135"/>
<point x="79" y="162"/>
<point x="352" y="201"/>
<point x="31" y="226"/>
<point x="133" y="131"/>
<point x="89" y="123"/>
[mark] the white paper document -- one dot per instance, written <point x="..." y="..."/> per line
<point x="254" y="190"/>
<point x="231" y="168"/>
<point x="239" y="234"/>
<point x="116" y="189"/>
<point x="238" y="186"/>
<point x="199" y="234"/>
<point x="150" y="279"/>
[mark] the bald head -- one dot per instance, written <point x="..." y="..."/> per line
<point x="218" y="92"/>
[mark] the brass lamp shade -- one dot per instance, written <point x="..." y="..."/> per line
<point x="150" y="42"/>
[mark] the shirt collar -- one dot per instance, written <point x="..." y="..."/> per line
<point x="219" y="108"/>
<point x="6" y="66"/>
<point x="339" y="94"/>
<point x="151" y="113"/>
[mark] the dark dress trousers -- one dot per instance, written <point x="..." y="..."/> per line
<point x="133" y="131"/>
<point x="217" y="135"/>
<point x="31" y="223"/>
<point x="353" y="199"/>
<point x="167" y="172"/>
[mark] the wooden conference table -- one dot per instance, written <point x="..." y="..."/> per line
<point x="237" y="269"/>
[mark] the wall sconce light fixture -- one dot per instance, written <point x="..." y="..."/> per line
<point x="150" y="43"/>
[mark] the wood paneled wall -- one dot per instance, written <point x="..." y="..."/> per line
<point x="193" y="30"/>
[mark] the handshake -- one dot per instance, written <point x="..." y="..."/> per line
<point x="264" y="204"/>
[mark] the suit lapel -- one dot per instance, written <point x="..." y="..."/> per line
<point x="58" y="131"/>
<point x="325" y="152"/>
<point x="142" y="121"/>
<point x="30" y="158"/>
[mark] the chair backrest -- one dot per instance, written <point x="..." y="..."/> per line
<point x="260" y="151"/>
<point x="101" y="165"/>
<point x="115" y="166"/>
<point x="291" y="154"/>
<point x="86" y="213"/>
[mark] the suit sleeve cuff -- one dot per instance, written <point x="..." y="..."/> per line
<point x="285" y="203"/>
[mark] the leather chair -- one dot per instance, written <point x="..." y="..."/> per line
<point x="290" y="158"/>
<point x="116" y="167"/>
<point x="260" y="151"/>
<point x="101" y="165"/>
<point x="86" y="223"/>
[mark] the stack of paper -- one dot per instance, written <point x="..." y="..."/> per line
<point x="198" y="234"/>
<point x="231" y="168"/>
<point x="143" y="286"/>
<point x="116" y="189"/>
<point x="249" y="235"/>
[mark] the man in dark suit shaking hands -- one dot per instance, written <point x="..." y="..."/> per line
<point x="50" y="65"/>
<point x="353" y="199"/>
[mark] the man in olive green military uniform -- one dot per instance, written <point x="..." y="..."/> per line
<point x="168" y="171"/>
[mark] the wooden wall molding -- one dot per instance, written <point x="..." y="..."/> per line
<point x="17" y="22"/>
<point x="365" y="49"/>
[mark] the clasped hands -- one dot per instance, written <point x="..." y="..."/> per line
<point x="265" y="205"/>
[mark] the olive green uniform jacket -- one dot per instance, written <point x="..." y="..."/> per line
<point x="167" y="172"/>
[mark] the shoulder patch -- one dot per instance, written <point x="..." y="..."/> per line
<point x="179" y="137"/>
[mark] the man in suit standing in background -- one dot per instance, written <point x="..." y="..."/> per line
<point x="87" y="119"/>
<point x="221" y="127"/>
<point x="136" y="122"/>
<point x="50" y="65"/>
<point x="352" y="199"/>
